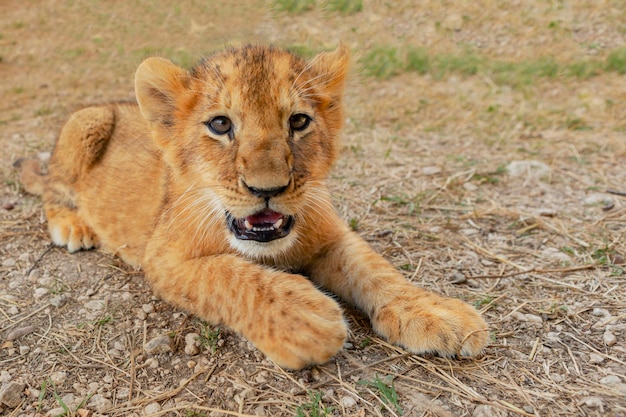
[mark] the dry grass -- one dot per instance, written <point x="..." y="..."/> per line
<point x="423" y="177"/>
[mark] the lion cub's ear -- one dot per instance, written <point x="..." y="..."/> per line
<point x="331" y="69"/>
<point x="158" y="83"/>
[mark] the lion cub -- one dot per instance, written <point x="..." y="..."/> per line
<point x="214" y="184"/>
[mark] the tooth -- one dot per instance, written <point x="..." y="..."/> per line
<point x="247" y="224"/>
<point x="278" y="223"/>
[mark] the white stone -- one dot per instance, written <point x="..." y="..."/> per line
<point x="529" y="168"/>
<point x="152" y="408"/>
<point x="433" y="170"/>
<point x="58" y="377"/>
<point x="96" y="305"/>
<point x="9" y="262"/>
<point x="592" y="402"/>
<point x="191" y="344"/>
<point x="348" y="402"/>
<point x="100" y="403"/>
<point x="40" y="292"/>
<point x="609" y="338"/>
<point x="597" y="199"/>
<point x="595" y="358"/>
<point x="610" y="380"/>
<point x="58" y="301"/>
<point x="484" y="410"/>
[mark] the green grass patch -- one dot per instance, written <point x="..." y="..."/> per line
<point x="315" y="407"/>
<point x="386" y="390"/>
<point x="303" y="6"/>
<point x="208" y="337"/>
<point x="384" y="62"/>
<point x="616" y="61"/>
<point x="294" y="6"/>
<point x="345" y="6"/>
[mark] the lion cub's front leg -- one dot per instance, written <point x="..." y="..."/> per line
<point x="283" y="315"/>
<point x="421" y="321"/>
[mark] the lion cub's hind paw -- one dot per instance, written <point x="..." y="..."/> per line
<point x="70" y="231"/>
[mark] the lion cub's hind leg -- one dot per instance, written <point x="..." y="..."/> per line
<point x="81" y="144"/>
<point x="67" y="229"/>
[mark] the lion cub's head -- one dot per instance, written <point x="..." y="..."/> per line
<point x="249" y="136"/>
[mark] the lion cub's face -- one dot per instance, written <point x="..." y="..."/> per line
<point x="249" y="135"/>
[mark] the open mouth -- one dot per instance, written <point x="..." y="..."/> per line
<point x="264" y="226"/>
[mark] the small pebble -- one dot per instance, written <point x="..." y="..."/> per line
<point x="33" y="392"/>
<point x="152" y="363"/>
<point x="9" y="262"/>
<point x="610" y="380"/>
<point x="11" y="394"/>
<point x="147" y="308"/>
<point x="592" y="402"/>
<point x="58" y="377"/>
<point x="191" y="344"/>
<point x="19" y="332"/>
<point x="70" y="400"/>
<point x="58" y="411"/>
<point x="595" y="358"/>
<point x="609" y="338"/>
<point x="100" y="403"/>
<point x="95" y="305"/>
<point x="527" y="168"/>
<point x="458" y="278"/>
<point x="58" y="300"/>
<point x="432" y="170"/>
<point x="159" y="344"/>
<point x="484" y="410"/>
<point x="348" y="401"/>
<point x="5" y="376"/>
<point x="468" y="186"/>
<point x="152" y="408"/>
<point x="24" y="349"/>
<point x="40" y="292"/>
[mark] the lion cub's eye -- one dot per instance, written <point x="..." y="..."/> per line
<point x="220" y="125"/>
<point x="299" y="121"/>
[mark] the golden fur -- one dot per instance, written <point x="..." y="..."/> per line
<point x="215" y="186"/>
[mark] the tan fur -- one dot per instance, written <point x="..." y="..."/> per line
<point x="152" y="184"/>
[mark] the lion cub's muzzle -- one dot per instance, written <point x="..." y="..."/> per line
<point x="264" y="226"/>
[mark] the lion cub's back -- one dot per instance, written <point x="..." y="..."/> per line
<point x="120" y="195"/>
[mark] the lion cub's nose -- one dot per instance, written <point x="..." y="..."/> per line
<point x="266" y="193"/>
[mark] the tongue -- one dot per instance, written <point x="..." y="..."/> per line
<point x="266" y="216"/>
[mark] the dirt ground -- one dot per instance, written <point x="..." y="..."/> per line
<point x="509" y="197"/>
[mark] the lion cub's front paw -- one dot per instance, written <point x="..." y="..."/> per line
<point x="427" y="323"/>
<point x="67" y="229"/>
<point x="306" y="329"/>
